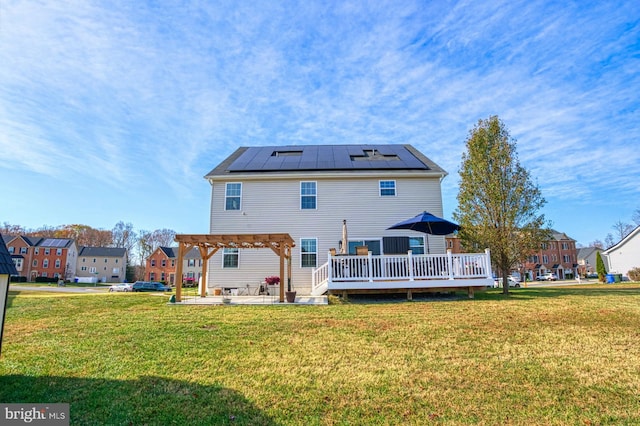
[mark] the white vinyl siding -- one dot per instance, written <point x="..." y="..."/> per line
<point x="273" y="206"/>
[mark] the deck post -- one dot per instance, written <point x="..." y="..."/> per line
<point x="329" y="268"/>
<point x="450" y="263"/>
<point x="409" y="295"/>
<point x="410" y="265"/>
<point x="470" y="293"/>
<point x="487" y="259"/>
<point x="370" y="265"/>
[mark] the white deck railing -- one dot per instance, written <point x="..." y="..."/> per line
<point x="408" y="267"/>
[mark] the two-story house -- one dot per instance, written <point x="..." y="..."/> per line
<point x="102" y="264"/>
<point x="307" y="192"/>
<point x="161" y="266"/>
<point x="43" y="257"/>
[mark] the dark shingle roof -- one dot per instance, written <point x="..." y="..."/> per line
<point x="103" y="251"/>
<point x="6" y="264"/>
<point x="325" y="158"/>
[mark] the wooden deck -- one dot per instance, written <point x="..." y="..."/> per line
<point x="403" y="273"/>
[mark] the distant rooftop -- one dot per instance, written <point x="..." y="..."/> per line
<point x="325" y="158"/>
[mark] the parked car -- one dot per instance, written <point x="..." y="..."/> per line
<point x="549" y="276"/>
<point x="592" y="276"/>
<point x="121" y="287"/>
<point x="497" y="282"/>
<point x="150" y="286"/>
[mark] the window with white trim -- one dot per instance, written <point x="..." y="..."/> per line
<point x="230" y="258"/>
<point x="308" y="195"/>
<point x="232" y="196"/>
<point x="57" y="263"/>
<point x="309" y="252"/>
<point x="416" y="244"/>
<point x="45" y="263"/>
<point x="387" y="188"/>
<point x="23" y="250"/>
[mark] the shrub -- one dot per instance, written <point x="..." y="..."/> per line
<point x="634" y="274"/>
<point x="46" y="280"/>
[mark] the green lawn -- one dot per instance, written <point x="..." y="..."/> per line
<point x="541" y="356"/>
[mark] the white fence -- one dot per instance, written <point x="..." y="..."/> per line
<point x="409" y="267"/>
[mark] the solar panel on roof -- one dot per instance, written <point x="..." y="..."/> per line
<point x="326" y="157"/>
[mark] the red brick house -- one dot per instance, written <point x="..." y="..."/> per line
<point x="558" y="255"/>
<point x="43" y="257"/>
<point x="161" y="265"/>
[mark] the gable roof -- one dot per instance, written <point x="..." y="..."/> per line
<point x="622" y="242"/>
<point x="585" y="252"/>
<point x="558" y="236"/>
<point x="298" y="158"/>
<point x="6" y="264"/>
<point x="103" y="251"/>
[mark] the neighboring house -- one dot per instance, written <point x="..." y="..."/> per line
<point x="557" y="255"/>
<point x="43" y="257"/>
<point x="625" y="255"/>
<point x="307" y="192"/>
<point x="587" y="260"/>
<point x="102" y="264"/>
<point x="7" y="269"/>
<point x="161" y="265"/>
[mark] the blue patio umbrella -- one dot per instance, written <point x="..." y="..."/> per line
<point x="429" y="224"/>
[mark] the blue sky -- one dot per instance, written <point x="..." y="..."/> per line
<point x="116" y="110"/>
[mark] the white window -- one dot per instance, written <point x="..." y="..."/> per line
<point x="230" y="258"/>
<point x="116" y="271"/>
<point x="23" y="250"/>
<point x="545" y="258"/>
<point x="93" y="270"/>
<point x="84" y="268"/>
<point x="45" y="263"/>
<point x="566" y="258"/>
<point x="46" y="251"/>
<point x="308" y="195"/>
<point x="36" y="250"/>
<point x="18" y="264"/>
<point x="416" y="244"/>
<point x="59" y="252"/>
<point x="57" y="263"/>
<point x="233" y="195"/>
<point x="565" y="246"/>
<point x="191" y="262"/>
<point x="13" y="250"/>
<point x="309" y="252"/>
<point x="387" y="188"/>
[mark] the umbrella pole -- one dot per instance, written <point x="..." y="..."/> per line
<point x="428" y="251"/>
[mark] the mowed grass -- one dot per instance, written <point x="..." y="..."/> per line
<point x="540" y="356"/>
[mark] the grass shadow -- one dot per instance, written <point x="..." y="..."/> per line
<point x="148" y="400"/>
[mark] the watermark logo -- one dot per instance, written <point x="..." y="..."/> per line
<point x="34" y="414"/>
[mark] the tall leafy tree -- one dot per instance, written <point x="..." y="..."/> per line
<point x="498" y="204"/>
<point x="600" y="268"/>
